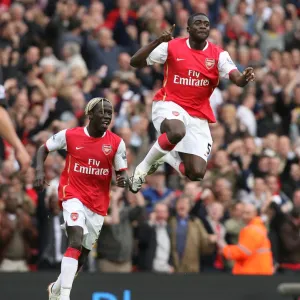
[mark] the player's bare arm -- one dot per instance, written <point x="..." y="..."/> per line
<point x="40" y="182"/>
<point x="242" y="79"/>
<point x="139" y="59"/>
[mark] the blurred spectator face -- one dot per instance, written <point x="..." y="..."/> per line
<point x="221" y="184"/>
<point x="183" y="207"/>
<point x="124" y="61"/>
<point x="32" y="55"/>
<point x="234" y="92"/>
<point x="296" y="198"/>
<point x="255" y="55"/>
<point x="244" y="56"/>
<point x="17" y="184"/>
<point x="96" y="8"/>
<point x="259" y="186"/>
<point x="237" y="24"/>
<point x="229" y="114"/>
<point x="237" y="211"/>
<point x="11" y="203"/>
<point x="182" y="18"/>
<point x="31" y="149"/>
<point x="192" y="189"/>
<point x="17" y="12"/>
<point x="284" y="146"/>
<point x="275" y="21"/>
<point x="161" y="213"/>
<point x="30" y="121"/>
<point x="158" y="13"/>
<point x="249" y="145"/>
<point x="249" y="212"/>
<point x="215" y="211"/>
<point x="295" y="172"/>
<point x="105" y="38"/>
<point x="287" y="61"/>
<point x="215" y="37"/>
<point x="297" y="95"/>
<point x="124" y="4"/>
<point x="272" y="184"/>
<point x="274" y="166"/>
<point x="296" y="52"/>
<point x="263" y="164"/>
<point x="283" y="77"/>
<point x="22" y="103"/>
<point x="221" y="159"/>
<point x="271" y="141"/>
<point x="158" y="181"/>
<point x="8" y="31"/>
<point x="125" y="133"/>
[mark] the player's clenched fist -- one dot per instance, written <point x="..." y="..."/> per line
<point x="121" y="181"/>
<point x="167" y="35"/>
<point x="39" y="181"/>
<point x="249" y="74"/>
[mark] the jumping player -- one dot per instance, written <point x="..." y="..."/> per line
<point x="181" y="110"/>
<point x="92" y="152"/>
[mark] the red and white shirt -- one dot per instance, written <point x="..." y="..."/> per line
<point x="89" y="164"/>
<point x="190" y="76"/>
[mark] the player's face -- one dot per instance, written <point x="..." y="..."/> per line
<point x="199" y="29"/>
<point x="102" y="116"/>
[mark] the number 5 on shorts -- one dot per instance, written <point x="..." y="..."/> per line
<point x="208" y="149"/>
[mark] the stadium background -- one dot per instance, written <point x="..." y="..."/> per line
<point x="56" y="55"/>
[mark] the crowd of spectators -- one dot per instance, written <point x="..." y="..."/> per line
<point x="55" y="55"/>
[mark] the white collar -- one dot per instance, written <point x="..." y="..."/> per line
<point x="87" y="133"/>
<point x="188" y="44"/>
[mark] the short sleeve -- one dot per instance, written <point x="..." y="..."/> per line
<point x="120" y="160"/>
<point x="57" y="141"/>
<point x="225" y="65"/>
<point x="159" y="55"/>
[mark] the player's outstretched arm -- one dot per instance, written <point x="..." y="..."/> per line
<point x="7" y="131"/>
<point x="139" y="59"/>
<point x="42" y="154"/>
<point x="242" y="79"/>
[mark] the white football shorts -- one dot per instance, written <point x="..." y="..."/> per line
<point x="77" y="214"/>
<point x="197" y="140"/>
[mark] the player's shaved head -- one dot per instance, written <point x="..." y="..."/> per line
<point x="191" y="18"/>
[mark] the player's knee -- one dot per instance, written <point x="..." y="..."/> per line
<point x="195" y="173"/>
<point x="176" y="134"/>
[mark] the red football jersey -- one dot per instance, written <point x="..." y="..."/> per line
<point x="89" y="164"/>
<point x="190" y="76"/>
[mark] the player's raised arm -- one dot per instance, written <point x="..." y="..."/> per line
<point x="56" y="142"/>
<point x="139" y="59"/>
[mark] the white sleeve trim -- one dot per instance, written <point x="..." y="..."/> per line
<point x="225" y="64"/>
<point x="57" y="141"/>
<point x="120" y="160"/>
<point x="159" y="55"/>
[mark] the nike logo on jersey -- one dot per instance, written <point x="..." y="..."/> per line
<point x="179" y="59"/>
<point x="77" y="148"/>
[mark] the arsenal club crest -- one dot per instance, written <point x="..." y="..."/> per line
<point x="74" y="216"/>
<point x="209" y="63"/>
<point x="106" y="149"/>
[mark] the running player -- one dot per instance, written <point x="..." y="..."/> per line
<point x="84" y="185"/>
<point x="181" y="110"/>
